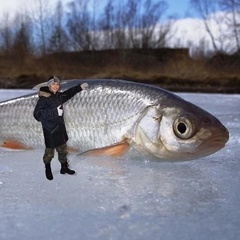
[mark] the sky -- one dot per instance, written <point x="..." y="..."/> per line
<point x="178" y="7"/>
<point x="175" y="7"/>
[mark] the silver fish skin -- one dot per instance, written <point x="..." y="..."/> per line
<point x="145" y="117"/>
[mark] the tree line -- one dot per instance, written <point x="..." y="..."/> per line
<point x="126" y="24"/>
<point x="221" y="21"/>
<point x="85" y="25"/>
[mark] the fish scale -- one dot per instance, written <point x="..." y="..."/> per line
<point x="17" y="121"/>
<point x="109" y="120"/>
<point x="147" y="117"/>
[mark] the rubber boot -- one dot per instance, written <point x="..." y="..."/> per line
<point x="65" y="169"/>
<point x="48" y="171"/>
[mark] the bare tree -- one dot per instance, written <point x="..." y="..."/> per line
<point x="232" y="21"/>
<point x="58" y="39"/>
<point x="41" y="17"/>
<point x="107" y="24"/>
<point x="94" y="25"/>
<point x="142" y="20"/>
<point x="6" y="34"/>
<point x="22" y="45"/>
<point x="206" y="9"/>
<point x="78" y="25"/>
<point x="22" y="39"/>
<point x="150" y="19"/>
<point x="130" y="21"/>
<point x="135" y="24"/>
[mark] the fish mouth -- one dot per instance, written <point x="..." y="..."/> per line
<point x="214" y="144"/>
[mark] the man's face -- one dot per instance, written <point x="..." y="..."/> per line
<point x="54" y="87"/>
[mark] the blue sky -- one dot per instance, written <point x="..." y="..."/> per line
<point x="178" y="7"/>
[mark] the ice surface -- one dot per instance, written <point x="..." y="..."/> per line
<point x="127" y="198"/>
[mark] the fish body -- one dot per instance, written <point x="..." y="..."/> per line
<point x="114" y="115"/>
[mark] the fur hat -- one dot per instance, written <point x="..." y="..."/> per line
<point x="53" y="79"/>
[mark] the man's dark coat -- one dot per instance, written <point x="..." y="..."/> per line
<point x="46" y="112"/>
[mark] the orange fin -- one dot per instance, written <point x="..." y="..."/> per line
<point x="13" y="145"/>
<point x="113" y="151"/>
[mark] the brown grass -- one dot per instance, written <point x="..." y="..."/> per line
<point x="170" y="68"/>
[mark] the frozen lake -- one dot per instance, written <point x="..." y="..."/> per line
<point x="130" y="197"/>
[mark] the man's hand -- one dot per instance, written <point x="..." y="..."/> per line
<point x="60" y="110"/>
<point x="84" y="86"/>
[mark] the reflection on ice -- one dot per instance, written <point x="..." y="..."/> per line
<point x="131" y="197"/>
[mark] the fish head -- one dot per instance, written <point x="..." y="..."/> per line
<point x="182" y="132"/>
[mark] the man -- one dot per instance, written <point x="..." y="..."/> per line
<point x="49" y="111"/>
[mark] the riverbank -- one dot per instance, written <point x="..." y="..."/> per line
<point x="172" y="69"/>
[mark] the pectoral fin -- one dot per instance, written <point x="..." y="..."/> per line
<point x="13" y="145"/>
<point x="113" y="151"/>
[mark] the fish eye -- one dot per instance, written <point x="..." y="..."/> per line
<point x="183" y="128"/>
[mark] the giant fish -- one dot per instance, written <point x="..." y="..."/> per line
<point x="114" y="115"/>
